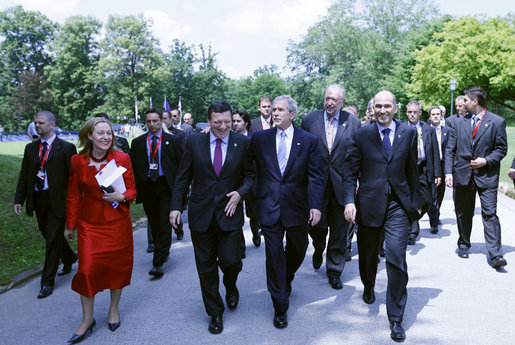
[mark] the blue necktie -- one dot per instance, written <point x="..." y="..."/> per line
<point x="281" y="152"/>
<point x="386" y="142"/>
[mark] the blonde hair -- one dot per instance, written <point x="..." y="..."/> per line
<point x="85" y="144"/>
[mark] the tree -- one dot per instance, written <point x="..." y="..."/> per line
<point x="72" y="75"/>
<point x="131" y="65"/>
<point x="357" y="44"/>
<point x="246" y="92"/>
<point x="30" y="96"/>
<point x="209" y="83"/>
<point x="24" y="38"/>
<point x="476" y="53"/>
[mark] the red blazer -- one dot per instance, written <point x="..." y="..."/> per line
<point x="84" y="199"/>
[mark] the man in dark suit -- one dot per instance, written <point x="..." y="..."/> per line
<point x="442" y="136"/>
<point x="333" y="127"/>
<point x="383" y="156"/>
<point x="176" y="119"/>
<point x="155" y="160"/>
<point x="241" y="124"/>
<point x="460" y="112"/>
<point x="264" y="121"/>
<point x="120" y="142"/>
<point x="222" y="175"/>
<point x="289" y="190"/>
<point x="43" y="184"/>
<point x="430" y="171"/>
<point x="472" y="163"/>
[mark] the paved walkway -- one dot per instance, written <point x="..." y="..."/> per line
<point x="451" y="300"/>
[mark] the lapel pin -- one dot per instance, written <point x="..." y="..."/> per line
<point x="398" y="136"/>
<point x="344" y="124"/>
<point x="298" y="144"/>
<point x="235" y="144"/>
<point x="167" y="143"/>
<point x="486" y="124"/>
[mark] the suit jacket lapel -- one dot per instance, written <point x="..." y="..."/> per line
<point x="376" y="139"/>
<point x="342" y="126"/>
<point x="485" y="123"/>
<point x="231" y="148"/>
<point x="320" y="127"/>
<point x="206" y="153"/>
<point x="399" y="136"/>
<point x="56" y="146"/>
<point x="296" y="145"/>
<point x="272" y="149"/>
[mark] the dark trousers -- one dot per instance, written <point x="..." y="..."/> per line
<point x="216" y="248"/>
<point x="426" y="193"/>
<point x="52" y="229"/>
<point x="281" y="262"/>
<point x="434" y="210"/>
<point x="157" y="209"/>
<point x="332" y="221"/>
<point x="251" y="212"/>
<point x="464" y="204"/>
<point x="395" y="229"/>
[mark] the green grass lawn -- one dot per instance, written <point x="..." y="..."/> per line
<point x="21" y="243"/>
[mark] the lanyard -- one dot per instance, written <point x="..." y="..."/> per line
<point x="157" y="146"/>
<point x="478" y="123"/>
<point x="43" y="159"/>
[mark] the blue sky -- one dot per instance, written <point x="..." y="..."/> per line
<point x="245" y="34"/>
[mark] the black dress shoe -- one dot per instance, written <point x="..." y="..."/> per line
<point x="499" y="262"/>
<point x="398" y="333"/>
<point x="463" y="252"/>
<point x="77" y="338"/>
<point x="232" y="298"/>
<point x="412" y="240"/>
<point x="150" y="248"/>
<point x="180" y="235"/>
<point x="46" y="290"/>
<point x="156" y="271"/>
<point x="317" y="259"/>
<point x="256" y="239"/>
<point x="348" y="257"/>
<point x="434" y="229"/>
<point x="369" y="296"/>
<point x="280" y="320"/>
<point x="336" y="283"/>
<point x="65" y="270"/>
<point x="216" y="324"/>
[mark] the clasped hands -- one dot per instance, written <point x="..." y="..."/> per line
<point x="230" y="208"/>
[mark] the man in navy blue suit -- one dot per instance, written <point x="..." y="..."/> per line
<point x="384" y="158"/>
<point x="289" y="191"/>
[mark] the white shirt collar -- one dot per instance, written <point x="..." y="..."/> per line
<point x="288" y="131"/>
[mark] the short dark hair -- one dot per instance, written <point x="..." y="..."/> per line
<point x="475" y="92"/>
<point x="218" y="106"/>
<point x="175" y="109"/>
<point x="156" y="111"/>
<point x="102" y="115"/>
<point x="47" y="114"/>
<point x="355" y="106"/>
<point x="265" y="98"/>
<point x="434" y="107"/>
<point x="245" y="116"/>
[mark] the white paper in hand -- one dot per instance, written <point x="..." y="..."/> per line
<point x="111" y="175"/>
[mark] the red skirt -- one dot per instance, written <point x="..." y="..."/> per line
<point x="105" y="256"/>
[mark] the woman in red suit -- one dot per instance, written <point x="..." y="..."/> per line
<point x="105" y="246"/>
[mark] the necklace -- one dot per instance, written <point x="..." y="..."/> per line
<point x="94" y="159"/>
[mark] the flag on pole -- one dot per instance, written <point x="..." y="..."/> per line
<point x="150" y="104"/>
<point x="166" y="106"/>
<point x="136" y="108"/>
<point x="179" y="106"/>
